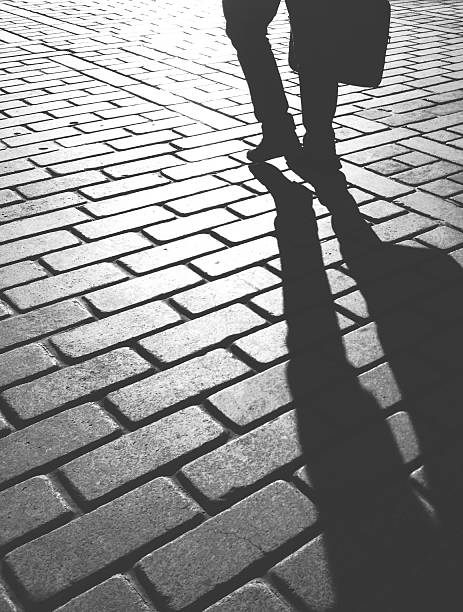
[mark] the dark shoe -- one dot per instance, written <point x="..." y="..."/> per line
<point x="287" y="146"/>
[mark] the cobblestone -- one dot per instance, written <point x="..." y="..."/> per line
<point x="116" y="595"/>
<point x="158" y="393"/>
<point x="194" y="368"/>
<point x="201" y="334"/>
<point x="58" y="389"/>
<point x="23" y="362"/>
<point x="30" y="507"/>
<point x="40" y="322"/>
<point x="246" y="533"/>
<point x="142" y="453"/>
<point x="133" y="514"/>
<point x="66" y="285"/>
<point x="54" y="439"/>
<point x="116" y="329"/>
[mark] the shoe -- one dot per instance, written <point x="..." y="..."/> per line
<point x="287" y="146"/>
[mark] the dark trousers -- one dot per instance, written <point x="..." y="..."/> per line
<point x="246" y="23"/>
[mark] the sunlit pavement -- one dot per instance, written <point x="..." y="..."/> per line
<point x="197" y="411"/>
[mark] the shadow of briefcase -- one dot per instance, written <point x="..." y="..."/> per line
<point x="359" y="34"/>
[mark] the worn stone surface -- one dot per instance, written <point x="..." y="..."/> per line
<point x="253" y="596"/>
<point x="56" y="390"/>
<point x="30" y="507"/>
<point x="133" y="456"/>
<point x="114" y="595"/>
<point x="65" y="557"/>
<point x="53" y="439"/>
<point x="169" y="310"/>
<point x="181" y="572"/>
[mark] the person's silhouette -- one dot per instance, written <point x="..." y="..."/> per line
<point x="383" y="547"/>
<point x="246" y="25"/>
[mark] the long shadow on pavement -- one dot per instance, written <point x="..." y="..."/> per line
<point x="391" y="530"/>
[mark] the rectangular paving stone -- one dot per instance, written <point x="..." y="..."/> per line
<point x="434" y="207"/>
<point x="40" y="205"/>
<point x="402" y="227"/>
<point x="213" y="150"/>
<point x="192" y="224"/>
<point x="427" y="173"/>
<point x="85" y="254"/>
<point x="242" y="256"/>
<point x="142" y="166"/>
<point x="142" y="289"/>
<point x="74" y="383"/>
<point x="255" y="595"/>
<point x="375" y="154"/>
<point x="21" y="178"/>
<point x="8" y="196"/>
<point x="242" y="536"/>
<point x="67" y="155"/>
<point x="62" y="183"/>
<point x="90" y="107"/>
<point x="374" y="183"/>
<point x="209" y="117"/>
<point x="437" y="123"/>
<point x="199" y="334"/>
<point x="33" y="138"/>
<point x="210" y="199"/>
<point x="225" y="290"/>
<point x="144" y="155"/>
<point x="30" y="507"/>
<point x="116" y="329"/>
<point x="153" y="94"/>
<point x="174" y="252"/>
<point x="78" y="119"/>
<point x="40" y="322"/>
<point x="87" y="139"/>
<point x="29" y="150"/>
<point x="207" y="166"/>
<point x="267" y="345"/>
<point x="169" y="388"/>
<point x="240" y="231"/>
<point x="373" y="140"/>
<point x="41" y="223"/>
<point x="220" y="135"/>
<point x="63" y="559"/>
<point x="116" y="594"/>
<point x="234" y="469"/>
<point x="257" y="397"/>
<point x="124" y="185"/>
<point x="125" y="221"/>
<point x="23" y="362"/>
<point x="130" y="142"/>
<point x="37" y="245"/>
<point x="54" y="439"/>
<point x="443" y="151"/>
<point x="142" y="453"/>
<point x="360" y="123"/>
<point x="64" y="285"/>
<point x="156" y="195"/>
<point x="388" y="101"/>
<point x="19" y="273"/>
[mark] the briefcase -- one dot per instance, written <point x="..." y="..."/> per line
<point x="358" y="31"/>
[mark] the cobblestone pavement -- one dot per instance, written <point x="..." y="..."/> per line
<point x="167" y="359"/>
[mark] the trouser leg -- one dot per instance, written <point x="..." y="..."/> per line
<point x="246" y="25"/>
<point x="318" y="83"/>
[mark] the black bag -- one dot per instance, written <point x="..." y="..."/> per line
<point x="358" y="34"/>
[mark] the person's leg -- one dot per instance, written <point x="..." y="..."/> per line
<point x="316" y="56"/>
<point x="246" y="25"/>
